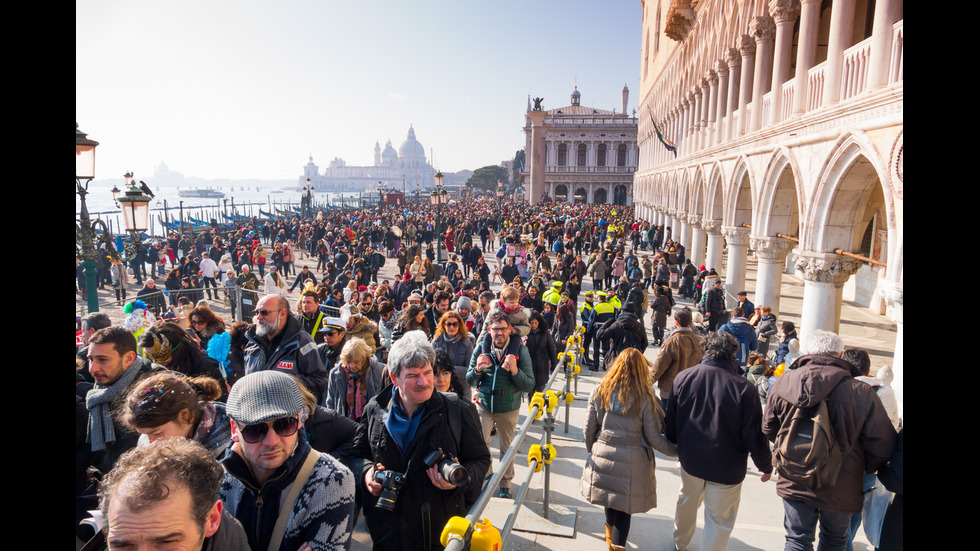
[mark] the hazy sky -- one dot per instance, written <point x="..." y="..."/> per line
<point x="249" y="89"/>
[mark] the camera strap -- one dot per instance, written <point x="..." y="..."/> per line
<point x="287" y="506"/>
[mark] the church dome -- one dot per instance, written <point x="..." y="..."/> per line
<point x="411" y="148"/>
<point x="389" y="152"/>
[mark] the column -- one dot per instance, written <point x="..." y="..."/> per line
<point x="738" y="249"/>
<point x="763" y="30"/>
<point x="771" y="254"/>
<point x="698" y="119"/>
<point x="539" y="131"/>
<point x="734" y="60"/>
<point x="684" y="229"/>
<point x="713" y="256"/>
<point x="746" y="49"/>
<point x="784" y="12"/>
<point x="841" y="27"/>
<point x="711" y="106"/>
<point x="824" y="275"/>
<point x="721" y="68"/>
<point x="696" y="251"/>
<point x="806" y="51"/>
<point x="892" y="293"/>
<point x="887" y="13"/>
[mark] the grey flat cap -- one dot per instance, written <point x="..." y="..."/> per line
<point x="263" y="396"/>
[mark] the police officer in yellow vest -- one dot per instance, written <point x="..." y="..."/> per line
<point x="604" y="311"/>
<point x="310" y="316"/>
<point x="553" y="295"/>
<point x="587" y="315"/>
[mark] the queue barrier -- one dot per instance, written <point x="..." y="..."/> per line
<point x="477" y="532"/>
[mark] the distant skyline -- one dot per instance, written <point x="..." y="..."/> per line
<point x="249" y="89"/>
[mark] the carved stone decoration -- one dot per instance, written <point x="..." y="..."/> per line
<point x="825" y="267"/>
<point x="894" y="296"/>
<point x="735" y="235"/>
<point x="784" y="10"/>
<point x="762" y="28"/>
<point x="680" y="19"/>
<point x="537" y="103"/>
<point x="772" y="249"/>
<point x="711" y="226"/>
<point x="694" y="219"/>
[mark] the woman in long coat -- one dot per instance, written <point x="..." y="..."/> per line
<point x="624" y="427"/>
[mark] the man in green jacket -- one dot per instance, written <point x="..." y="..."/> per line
<point x="500" y="369"/>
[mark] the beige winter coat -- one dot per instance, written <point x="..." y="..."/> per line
<point x="620" y="470"/>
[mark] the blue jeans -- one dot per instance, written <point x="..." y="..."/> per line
<point x="801" y="521"/>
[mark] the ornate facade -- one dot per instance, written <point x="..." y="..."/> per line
<point x="406" y="166"/>
<point x="775" y="128"/>
<point x="587" y="155"/>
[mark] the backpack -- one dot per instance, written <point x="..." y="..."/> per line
<point x="806" y="450"/>
<point x="635" y="274"/>
<point x="742" y="355"/>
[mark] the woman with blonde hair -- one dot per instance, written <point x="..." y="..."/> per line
<point x="354" y="380"/>
<point x="451" y="335"/>
<point x="624" y="427"/>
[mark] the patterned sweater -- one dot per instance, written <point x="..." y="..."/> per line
<point x="322" y="515"/>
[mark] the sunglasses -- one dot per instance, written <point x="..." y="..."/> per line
<point x="284" y="427"/>
<point x="265" y="313"/>
<point x="330" y="333"/>
<point x="451" y="324"/>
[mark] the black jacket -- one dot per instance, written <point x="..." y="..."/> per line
<point x="407" y="526"/>
<point x="625" y="332"/>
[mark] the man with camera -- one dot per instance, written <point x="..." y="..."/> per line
<point x="418" y="453"/>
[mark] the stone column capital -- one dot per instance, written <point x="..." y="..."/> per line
<point x="745" y="45"/>
<point x="694" y="219"/>
<point x="734" y="58"/>
<point x="711" y="226"/>
<point x="671" y="211"/>
<point x="710" y="77"/>
<point x="825" y="267"/>
<point x="735" y="235"/>
<point x="894" y="296"/>
<point x="784" y="11"/>
<point x="721" y="68"/>
<point x="769" y="248"/>
<point x="762" y="28"/>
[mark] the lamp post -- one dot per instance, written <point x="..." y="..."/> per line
<point x="438" y="198"/>
<point x="135" y="207"/>
<point x="381" y="196"/>
<point x="500" y="209"/>
<point x="85" y="227"/>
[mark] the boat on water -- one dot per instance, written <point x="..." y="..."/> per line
<point x="206" y="193"/>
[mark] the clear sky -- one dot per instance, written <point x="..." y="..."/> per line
<point x="249" y="89"/>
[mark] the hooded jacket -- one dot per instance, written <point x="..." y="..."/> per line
<point x="860" y="423"/>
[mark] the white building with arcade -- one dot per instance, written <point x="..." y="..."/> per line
<point x="774" y="128"/>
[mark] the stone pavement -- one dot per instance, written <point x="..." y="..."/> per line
<point x="759" y="523"/>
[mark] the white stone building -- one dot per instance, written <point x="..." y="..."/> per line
<point x="787" y="119"/>
<point x="588" y="155"/>
<point x="407" y="166"/>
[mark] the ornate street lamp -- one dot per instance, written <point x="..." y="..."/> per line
<point x="135" y="206"/>
<point x="438" y="198"/>
<point x="85" y="227"/>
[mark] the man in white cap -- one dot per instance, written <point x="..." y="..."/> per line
<point x="275" y="484"/>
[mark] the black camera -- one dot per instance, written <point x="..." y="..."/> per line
<point x="391" y="483"/>
<point x="453" y="472"/>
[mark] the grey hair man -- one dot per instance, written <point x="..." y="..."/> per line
<point x="397" y="434"/>
<point x="714" y="443"/>
<point x="861" y="427"/>
<point x="271" y="471"/>
<point x="167" y="492"/>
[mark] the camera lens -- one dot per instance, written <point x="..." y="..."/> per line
<point x="454" y="473"/>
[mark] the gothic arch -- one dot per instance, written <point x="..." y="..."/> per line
<point x="851" y="184"/>
<point x="780" y="197"/>
<point x="739" y="196"/>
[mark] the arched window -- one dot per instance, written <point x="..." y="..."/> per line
<point x="562" y="154"/>
<point x="561" y="193"/>
<point x="581" y="154"/>
<point x="621" y="155"/>
<point x="601" y="155"/>
<point x="599" y="196"/>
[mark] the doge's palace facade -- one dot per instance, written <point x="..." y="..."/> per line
<point x="775" y="128"/>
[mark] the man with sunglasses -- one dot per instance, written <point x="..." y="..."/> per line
<point x="275" y="484"/>
<point x="277" y="342"/>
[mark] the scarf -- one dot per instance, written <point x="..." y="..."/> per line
<point x="356" y="396"/>
<point x="100" y="431"/>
